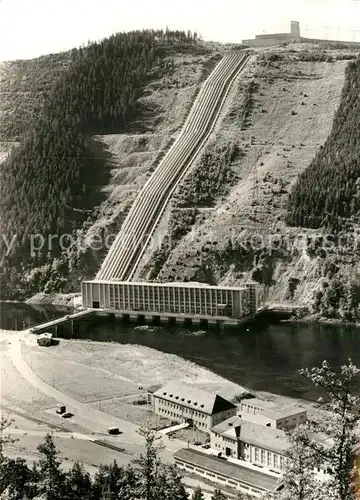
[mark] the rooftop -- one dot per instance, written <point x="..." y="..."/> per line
<point x="229" y="428"/>
<point x="194" y="398"/>
<point x="170" y="284"/>
<point x="246" y="475"/>
<point x="153" y="388"/>
<point x="258" y="418"/>
<point x="273" y="35"/>
<point x="252" y="433"/>
<point x="283" y="411"/>
<point x="258" y="402"/>
<point x="45" y="335"/>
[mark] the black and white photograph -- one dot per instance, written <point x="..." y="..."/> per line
<point x="180" y="250"/>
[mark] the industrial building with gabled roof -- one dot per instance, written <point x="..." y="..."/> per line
<point x="272" y="415"/>
<point x="181" y="402"/>
<point x="257" y="444"/>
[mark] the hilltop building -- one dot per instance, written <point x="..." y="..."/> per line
<point x="269" y="40"/>
<point x="181" y="402"/>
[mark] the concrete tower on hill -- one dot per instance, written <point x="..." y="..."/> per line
<point x="295" y="31"/>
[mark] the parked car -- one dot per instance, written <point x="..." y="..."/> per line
<point x="113" y="430"/>
<point x="206" y="446"/>
<point x="67" y="414"/>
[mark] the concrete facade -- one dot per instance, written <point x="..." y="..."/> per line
<point x="193" y="299"/>
<point x="271" y="415"/>
<point x="268" y="40"/>
<point x="256" y="444"/>
<point x="180" y="402"/>
<point x="246" y="480"/>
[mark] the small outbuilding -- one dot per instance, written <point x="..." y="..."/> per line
<point x="44" y="339"/>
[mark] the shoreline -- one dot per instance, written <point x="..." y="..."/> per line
<point x="146" y="366"/>
<point x="289" y="313"/>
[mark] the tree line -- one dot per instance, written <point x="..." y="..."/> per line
<point x="145" y="478"/>
<point x="328" y="191"/>
<point x="51" y="181"/>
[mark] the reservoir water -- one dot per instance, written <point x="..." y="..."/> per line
<point x="263" y="355"/>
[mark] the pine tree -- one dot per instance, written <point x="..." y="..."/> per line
<point x="218" y="495"/>
<point x="78" y="483"/>
<point x="148" y="464"/>
<point x="336" y="458"/>
<point x="14" y="478"/>
<point x="169" y="485"/>
<point x="299" y="476"/>
<point x="52" y="483"/>
<point x="198" y="494"/>
<point x="5" y="438"/>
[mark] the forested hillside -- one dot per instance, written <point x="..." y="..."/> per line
<point x="54" y="178"/>
<point x="24" y="92"/>
<point x="329" y="189"/>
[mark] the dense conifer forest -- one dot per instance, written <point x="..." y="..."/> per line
<point x="53" y="179"/>
<point x="328" y="191"/>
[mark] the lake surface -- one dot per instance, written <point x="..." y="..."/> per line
<point x="264" y="356"/>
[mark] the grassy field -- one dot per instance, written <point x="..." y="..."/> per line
<point x="112" y="376"/>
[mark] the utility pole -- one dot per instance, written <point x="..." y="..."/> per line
<point x="326" y="27"/>
<point x="354" y="31"/>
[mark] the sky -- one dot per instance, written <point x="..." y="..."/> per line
<point x="30" y="28"/>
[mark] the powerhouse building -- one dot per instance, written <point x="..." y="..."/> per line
<point x="188" y="299"/>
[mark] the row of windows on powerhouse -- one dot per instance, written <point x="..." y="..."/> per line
<point x="214" y="311"/>
<point x="149" y="290"/>
<point x="161" y="302"/>
<point x="176" y="295"/>
<point x="174" y="300"/>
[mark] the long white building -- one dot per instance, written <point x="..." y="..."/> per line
<point x="186" y="299"/>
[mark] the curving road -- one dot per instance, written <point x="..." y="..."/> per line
<point x="147" y="209"/>
<point x="96" y="421"/>
<point x="89" y="418"/>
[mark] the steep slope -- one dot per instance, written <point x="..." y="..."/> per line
<point x="227" y="220"/>
<point x="336" y="167"/>
<point x="235" y="229"/>
<point x="63" y="177"/>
